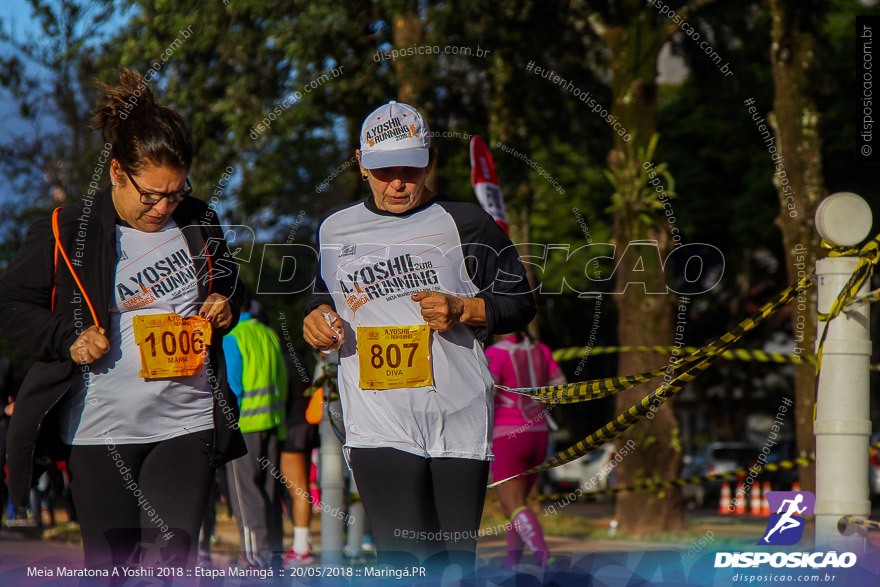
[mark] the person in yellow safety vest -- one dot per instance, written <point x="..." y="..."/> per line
<point x="258" y="376"/>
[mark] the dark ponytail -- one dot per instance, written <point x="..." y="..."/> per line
<point x="142" y="131"/>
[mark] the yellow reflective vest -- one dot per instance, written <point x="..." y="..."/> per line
<point x="264" y="377"/>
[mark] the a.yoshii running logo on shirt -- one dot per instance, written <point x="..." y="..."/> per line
<point x="146" y="284"/>
<point x="386" y="277"/>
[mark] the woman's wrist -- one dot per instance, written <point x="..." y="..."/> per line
<point x="473" y="311"/>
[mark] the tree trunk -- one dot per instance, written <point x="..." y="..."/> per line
<point x="506" y="125"/>
<point x="643" y="318"/>
<point x="408" y="30"/>
<point x="800" y="186"/>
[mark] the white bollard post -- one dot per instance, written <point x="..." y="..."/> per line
<point x="842" y="425"/>
<point x="332" y="479"/>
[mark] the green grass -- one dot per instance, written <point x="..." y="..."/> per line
<point x="67" y="532"/>
<point x="728" y="532"/>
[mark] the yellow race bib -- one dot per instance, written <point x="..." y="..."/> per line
<point x="392" y="357"/>
<point x="171" y="345"/>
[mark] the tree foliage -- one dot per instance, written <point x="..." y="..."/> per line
<point x="275" y="94"/>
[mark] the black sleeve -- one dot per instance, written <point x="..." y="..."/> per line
<point x="6" y="382"/>
<point x="26" y="317"/>
<point x="494" y="266"/>
<point x="224" y="267"/>
<point x="320" y="293"/>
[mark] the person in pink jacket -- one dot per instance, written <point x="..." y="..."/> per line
<point x="520" y="436"/>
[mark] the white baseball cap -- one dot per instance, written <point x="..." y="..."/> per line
<point x="395" y="135"/>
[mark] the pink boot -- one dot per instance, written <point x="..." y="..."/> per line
<point x="514" y="548"/>
<point x="526" y="524"/>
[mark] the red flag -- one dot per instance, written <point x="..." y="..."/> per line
<point x="485" y="182"/>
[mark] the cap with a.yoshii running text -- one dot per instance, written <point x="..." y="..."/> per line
<point x="395" y="135"/>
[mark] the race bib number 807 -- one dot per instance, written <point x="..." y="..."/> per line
<point x="171" y="345"/>
<point x="393" y="357"/>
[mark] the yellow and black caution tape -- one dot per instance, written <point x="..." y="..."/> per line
<point x="755" y="355"/>
<point x="597" y="388"/>
<point x="654" y="485"/>
<point x="316" y="385"/>
<point x="868" y="256"/>
<point x="868" y="298"/>
<point x="753" y="471"/>
<point x="861" y="521"/>
<point x="706" y="356"/>
<point x="588" y="390"/>
<point x="731" y="354"/>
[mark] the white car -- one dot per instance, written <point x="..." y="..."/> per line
<point x="713" y="459"/>
<point x="579" y="473"/>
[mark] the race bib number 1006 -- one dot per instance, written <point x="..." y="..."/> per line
<point x="171" y="345"/>
<point x="393" y="357"/>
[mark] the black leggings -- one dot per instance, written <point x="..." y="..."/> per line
<point x="141" y="503"/>
<point x="425" y="509"/>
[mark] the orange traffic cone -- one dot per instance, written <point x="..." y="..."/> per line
<point x="765" y="505"/>
<point x="755" y="501"/>
<point x="740" y="499"/>
<point x="796" y="486"/>
<point x="724" y="502"/>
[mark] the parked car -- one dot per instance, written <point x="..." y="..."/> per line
<point x="783" y="479"/>
<point x="579" y="473"/>
<point x="715" y="458"/>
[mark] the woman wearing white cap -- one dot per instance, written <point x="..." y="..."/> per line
<point x="408" y="284"/>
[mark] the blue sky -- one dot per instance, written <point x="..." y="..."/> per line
<point x="14" y="14"/>
<point x="15" y="18"/>
<point x="18" y="11"/>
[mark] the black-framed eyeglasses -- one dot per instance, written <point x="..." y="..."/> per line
<point x="151" y="198"/>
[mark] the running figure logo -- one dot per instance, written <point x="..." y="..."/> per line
<point x="786" y="526"/>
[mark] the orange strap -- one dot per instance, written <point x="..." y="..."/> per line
<point x="210" y="271"/>
<point x="55" y="279"/>
<point x="59" y="247"/>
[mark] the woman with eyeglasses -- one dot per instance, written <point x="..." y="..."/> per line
<point x="124" y="297"/>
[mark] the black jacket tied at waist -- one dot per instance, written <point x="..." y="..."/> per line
<point x="88" y="234"/>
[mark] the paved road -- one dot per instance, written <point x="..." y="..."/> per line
<point x="18" y="550"/>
